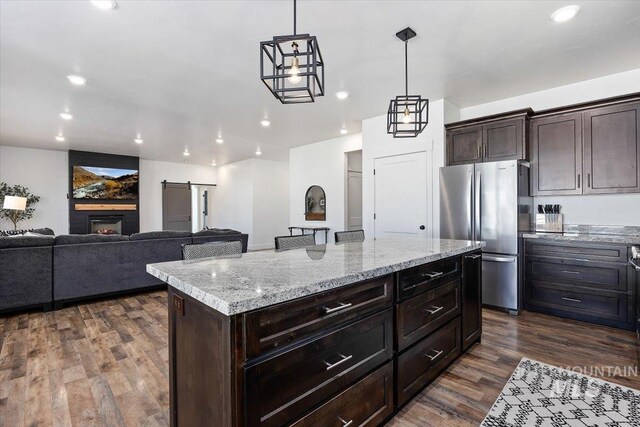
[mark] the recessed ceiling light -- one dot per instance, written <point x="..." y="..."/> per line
<point x="265" y="123"/>
<point x="565" y="13"/>
<point x="105" y="4"/>
<point x="343" y="94"/>
<point x="258" y="152"/>
<point x="77" y="80"/>
<point x="59" y="138"/>
<point x="219" y="140"/>
<point x="343" y="131"/>
<point x="138" y="140"/>
<point x="66" y="116"/>
<point x="213" y="163"/>
<point x="186" y="153"/>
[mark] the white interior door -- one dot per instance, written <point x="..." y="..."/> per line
<point x="400" y="192"/>
<point x="354" y="200"/>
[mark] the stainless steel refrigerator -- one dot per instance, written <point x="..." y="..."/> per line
<point x="489" y="202"/>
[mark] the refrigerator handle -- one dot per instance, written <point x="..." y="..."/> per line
<point x="477" y="208"/>
<point x="472" y="234"/>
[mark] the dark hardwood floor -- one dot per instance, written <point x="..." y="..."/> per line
<point x="105" y="363"/>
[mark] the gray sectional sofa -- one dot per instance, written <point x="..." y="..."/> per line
<point x="45" y="271"/>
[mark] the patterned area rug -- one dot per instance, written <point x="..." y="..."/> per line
<point x="543" y="395"/>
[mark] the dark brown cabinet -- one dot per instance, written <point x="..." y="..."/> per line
<point x="471" y="299"/>
<point x="488" y="139"/>
<point x="464" y="145"/>
<point x="504" y="140"/>
<point x="580" y="280"/>
<point x="589" y="148"/>
<point x="556" y="155"/>
<point x="305" y="362"/>
<point x="612" y="149"/>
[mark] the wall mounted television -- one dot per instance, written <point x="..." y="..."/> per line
<point x="91" y="182"/>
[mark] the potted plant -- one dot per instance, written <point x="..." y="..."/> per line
<point x="15" y="216"/>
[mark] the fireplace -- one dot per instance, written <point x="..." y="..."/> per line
<point x="105" y="224"/>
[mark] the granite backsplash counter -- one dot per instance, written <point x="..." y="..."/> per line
<point x="625" y="235"/>
<point x="264" y="278"/>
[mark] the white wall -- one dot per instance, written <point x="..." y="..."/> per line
<point x="585" y="91"/>
<point x="377" y="143"/>
<point x="45" y="173"/>
<point x="252" y="196"/>
<point x="600" y="209"/>
<point x="323" y="164"/>
<point x="270" y="202"/>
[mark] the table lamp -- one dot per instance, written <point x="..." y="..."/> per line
<point x="16" y="204"/>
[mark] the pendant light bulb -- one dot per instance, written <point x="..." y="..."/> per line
<point x="406" y="117"/>
<point x="294" y="71"/>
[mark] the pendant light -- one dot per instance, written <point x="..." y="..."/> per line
<point x="408" y="115"/>
<point x="291" y="66"/>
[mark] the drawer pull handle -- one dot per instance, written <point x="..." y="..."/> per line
<point x="341" y="361"/>
<point x="571" y="299"/>
<point x="473" y="256"/>
<point x="345" y="423"/>
<point x="434" y="309"/>
<point x="432" y="275"/>
<point x="571" y="272"/>
<point x="438" y="353"/>
<point x="342" y="306"/>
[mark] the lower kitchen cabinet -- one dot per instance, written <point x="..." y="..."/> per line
<point x="350" y="356"/>
<point x="580" y="280"/>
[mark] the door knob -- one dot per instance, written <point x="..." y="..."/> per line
<point x="422" y="227"/>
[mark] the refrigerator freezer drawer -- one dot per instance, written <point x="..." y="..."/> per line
<point x="500" y="281"/>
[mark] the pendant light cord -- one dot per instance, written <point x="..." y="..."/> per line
<point x="294" y="17"/>
<point x="406" y="69"/>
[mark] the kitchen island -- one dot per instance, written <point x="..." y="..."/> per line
<point x="342" y="334"/>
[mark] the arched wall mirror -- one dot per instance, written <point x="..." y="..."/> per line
<point x="315" y="204"/>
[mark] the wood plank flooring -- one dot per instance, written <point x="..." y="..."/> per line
<point x="105" y="364"/>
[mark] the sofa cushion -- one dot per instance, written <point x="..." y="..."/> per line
<point x="216" y="232"/>
<point x="77" y="239"/>
<point x="25" y="241"/>
<point x="44" y="231"/>
<point x="151" y="235"/>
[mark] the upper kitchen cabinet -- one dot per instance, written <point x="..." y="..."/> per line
<point x="612" y="149"/>
<point x="488" y="139"/>
<point x="591" y="148"/>
<point x="556" y="155"/>
<point x="464" y="145"/>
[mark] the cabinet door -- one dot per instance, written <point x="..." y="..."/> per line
<point x="464" y="145"/>
<point x="504" y="140"/>
<point x="556" y="155"/>
<point x="471" y="299"/>
<point x="612" y="149"/>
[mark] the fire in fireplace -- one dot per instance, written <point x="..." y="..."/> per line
<point x="105" y="224"/>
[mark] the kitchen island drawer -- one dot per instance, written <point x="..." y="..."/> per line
<point x="565" y="301"/>
<point x="584" y="274"/>
<point x="606" y="252"/>
<point x="421" y="363"/>
<point x="276" y="326"/>
<point x="367" y="403"/>
<point x="284" y="387"/>
<point x="421" y="315"/>
<point x="416" y="280"/>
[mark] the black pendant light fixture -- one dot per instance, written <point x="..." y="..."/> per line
<point x="408" y="115"/>
<point x="292" y="67"/>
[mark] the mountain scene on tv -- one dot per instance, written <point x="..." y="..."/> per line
<point x="104" y="183"/>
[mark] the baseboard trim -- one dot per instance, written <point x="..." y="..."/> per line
<point x="261" y="247"/>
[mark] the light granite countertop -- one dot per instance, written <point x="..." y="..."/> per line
<point x="264" y="278"/>
<point x="587" y="237"/>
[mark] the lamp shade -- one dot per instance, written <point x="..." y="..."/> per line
<point x="16" y="203"/>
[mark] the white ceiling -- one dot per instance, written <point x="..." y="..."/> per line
<point x="180" y="72"/>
